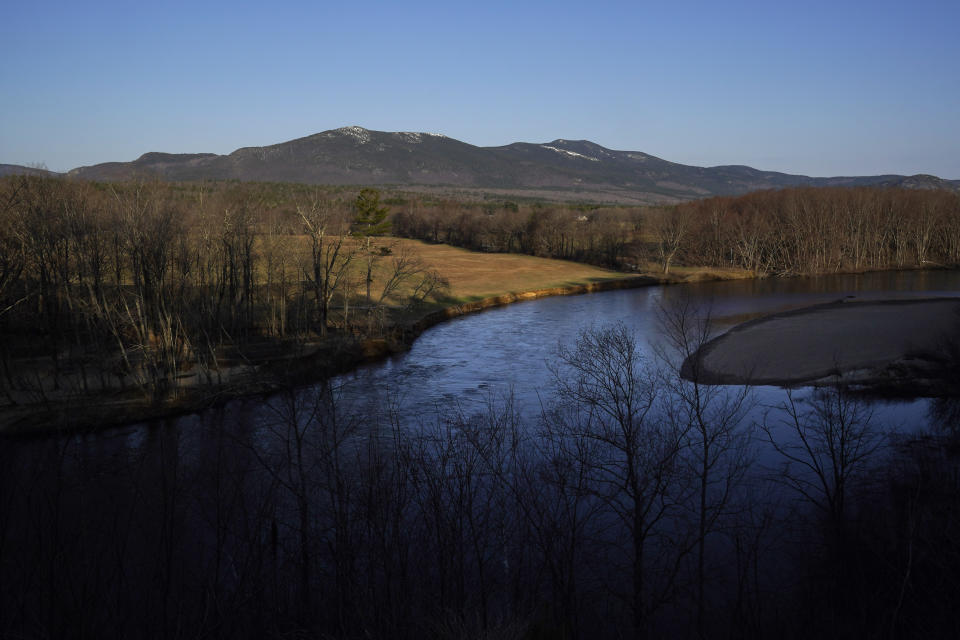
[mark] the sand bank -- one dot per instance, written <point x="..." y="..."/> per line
<point x="861" y="342"/>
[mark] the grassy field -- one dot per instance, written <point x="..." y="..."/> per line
<point x="475" y="276"/>
<point x="471" y="275"/>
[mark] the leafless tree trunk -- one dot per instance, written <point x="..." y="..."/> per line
<point x="611" y="411"/>
<point x="670" y="227"/>
<point x="712" y="419"/>
<point x="330" y="254"/>
<point x="825" y="444"/>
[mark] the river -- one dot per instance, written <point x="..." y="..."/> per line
<point x="509" y="350"/>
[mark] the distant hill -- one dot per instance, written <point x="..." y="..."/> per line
<point x="20" y="170"/>
<point x="563" y="169"/>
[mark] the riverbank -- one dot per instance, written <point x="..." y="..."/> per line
<point x="891" y="346"/>
<point x="261" y="369"/>
<point x="271" y="365"/>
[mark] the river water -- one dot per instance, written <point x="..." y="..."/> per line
<point x="509" y="350"/>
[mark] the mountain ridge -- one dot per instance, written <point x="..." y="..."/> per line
<point x="570" y="169"/>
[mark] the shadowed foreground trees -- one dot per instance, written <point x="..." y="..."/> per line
<point x="311" y="515"/>
<point x="714" y="420"/>
<point x="629" y="452"/>
<point x="831" y="441"/>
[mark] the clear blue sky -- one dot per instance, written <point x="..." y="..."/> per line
<point x="820" y="88"/>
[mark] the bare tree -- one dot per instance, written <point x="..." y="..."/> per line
<point x="825" y="443"/>
<point x="716" y="442"/>
<point x="609" y="402"/>
<point x="407" y="280"/>
<point x="330" y="253"/>
<point x="670" y="228"/>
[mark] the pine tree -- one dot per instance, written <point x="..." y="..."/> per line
<point x="371" y="220"/>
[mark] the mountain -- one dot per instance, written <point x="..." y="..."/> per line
<point x="562" y="169"/>
<point x="20" y="170"/>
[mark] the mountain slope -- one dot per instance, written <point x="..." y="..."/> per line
<point x="20" y="170"/>
<point x="353" y="155"/>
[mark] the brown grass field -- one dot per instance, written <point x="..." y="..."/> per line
<point x="475" y="276"/>
<point x="471" y="275"/>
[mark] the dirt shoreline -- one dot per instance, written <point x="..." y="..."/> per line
<point x="315" y="361"/>
<point x="885" y="344"/>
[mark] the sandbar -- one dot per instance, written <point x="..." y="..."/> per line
<point x="858" y="341"/>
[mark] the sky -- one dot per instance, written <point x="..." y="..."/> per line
<point x="816" y="88"/>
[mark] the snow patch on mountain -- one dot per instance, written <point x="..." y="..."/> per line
<point x="570" y="153"/>
<point x="360" y="134"/>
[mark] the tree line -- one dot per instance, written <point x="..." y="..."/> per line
<point x="635" y="505"/>
<point x="132" y="285"/>
<point x="800" y="231"/>
<point x="821" y="230"/>
<point x="597" y="235"/>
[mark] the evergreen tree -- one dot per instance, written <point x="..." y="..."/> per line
<point x="371" y="220"/>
